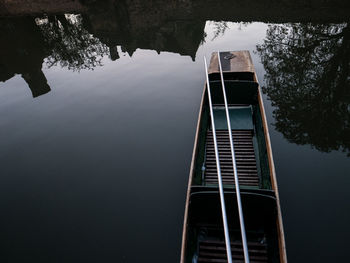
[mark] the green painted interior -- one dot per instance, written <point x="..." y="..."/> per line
<point x="261" y="150"/>
<point x="240" y="118"/>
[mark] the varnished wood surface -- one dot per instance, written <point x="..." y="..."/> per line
<point x="194" y="156"/>
<point x="240" y="61"/>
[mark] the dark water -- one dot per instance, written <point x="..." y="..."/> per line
<point x="97" y="121"/>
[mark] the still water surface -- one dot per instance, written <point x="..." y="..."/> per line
<point x="97" y="136"/>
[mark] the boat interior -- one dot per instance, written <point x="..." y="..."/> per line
<point x="248" y="136"/>
<point x="206" y="242"/>
<point x="205" y="236"/>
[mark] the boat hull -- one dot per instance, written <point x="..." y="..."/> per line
<point x="237" y="67"/>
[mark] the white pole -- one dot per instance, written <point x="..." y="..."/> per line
<point x="222" y="199"/>
<point x="238" y="193"/>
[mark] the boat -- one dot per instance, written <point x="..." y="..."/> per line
<point x="224" y="223"/>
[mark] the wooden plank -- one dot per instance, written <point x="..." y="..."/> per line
<point x="239" y="61"/>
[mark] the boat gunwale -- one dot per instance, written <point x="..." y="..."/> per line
<point x="281" y="237"/>
<point x="194" y="156"/>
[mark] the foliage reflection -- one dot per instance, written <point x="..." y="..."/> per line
<point x="69" y="43"/>
<point x="308" y="81"/>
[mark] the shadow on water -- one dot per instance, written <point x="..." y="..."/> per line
<point x="307" y="79"/>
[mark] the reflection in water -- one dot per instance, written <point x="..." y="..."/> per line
<point x="22" y="51"/>
<point x="69" y="43"/>
<point x="80" y="42"/>
<point x="220" y="28"/>
<point x="148" y="25"/>
<point x="308" y="81"/>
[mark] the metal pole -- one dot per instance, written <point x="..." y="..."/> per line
<point x="221" y="190"/>
<point x="238" y="193"/>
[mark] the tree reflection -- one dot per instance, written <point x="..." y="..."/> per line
<point x="69" y="43"/>
<point x="308" y="81"/>
<point x="219" y="29"/>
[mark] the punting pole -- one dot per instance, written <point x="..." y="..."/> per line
<point x="238" y="193"/>
<point x="222" y="199"/>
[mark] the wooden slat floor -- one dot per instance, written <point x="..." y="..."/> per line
<point x="244" y="153"/>
<point x="215" y="251"/>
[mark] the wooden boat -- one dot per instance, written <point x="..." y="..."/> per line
<point x="203" y="234"/>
